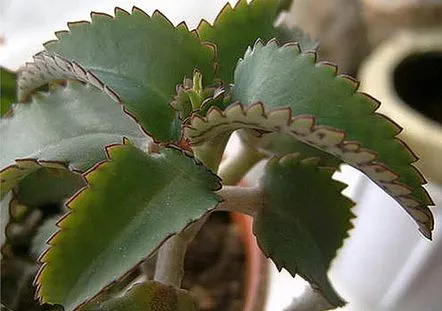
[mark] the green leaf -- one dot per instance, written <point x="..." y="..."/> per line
<point x="201" y="130"/>
<point x="304" y="219"/>
<point x="132" y="203"/>
<point x="280" y="144"/>
<point x="148" y="296"/>
<point x="283" y="90"/>
<point x="48" y="185"/>
<point x="237" y="28"/>
<point x="8" y="90"/>
<point x="70" y="125"/>
<point x="134" y="58"/>
<point x="296" y="34"/>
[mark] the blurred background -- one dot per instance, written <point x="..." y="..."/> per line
<point x="395" y="48"/>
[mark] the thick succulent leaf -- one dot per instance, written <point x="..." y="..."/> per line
<point x="304" y="219"/>
<point x="7" y="90"/>
<point x="148" y="296"/>
<point x="48" y="185"/>
<point x="284" y="77"/>
<point x="296" y="34"/>
<point x="283" y="90"/>
<point x="134" y="58"/>
<point x="132" y="203"/>
<point x="70" y="125"/>
<point x="279" y="144"/>
<point x="237" y="28"/>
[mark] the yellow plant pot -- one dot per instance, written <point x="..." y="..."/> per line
<point x="405" y="74"/>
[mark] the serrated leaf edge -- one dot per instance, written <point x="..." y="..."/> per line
<point x="317" y="163"/>
<point x="47" y="67"/>
<point x="22" y="168"/>
<point x="227" y="8"/>
<point x="108" y="150"/>
<point x="303" y="128"/>
<point x="312" y="162"/>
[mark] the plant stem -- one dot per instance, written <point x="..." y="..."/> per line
<point x="170" y="261"/>
<point x="169" y="269"/>
<point x="246" y="200"/>
<point x="234" y="168"/>
<point x="211" y="152"/>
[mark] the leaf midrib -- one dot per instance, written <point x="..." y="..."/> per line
<point x="121" y="235"/>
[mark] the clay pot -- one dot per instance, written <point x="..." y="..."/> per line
<point x="386" y="264"/>
<point x="257" y="265"/>
<point x="405" y="74"/>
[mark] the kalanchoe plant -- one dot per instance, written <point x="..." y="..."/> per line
<point x="127" y="118"/>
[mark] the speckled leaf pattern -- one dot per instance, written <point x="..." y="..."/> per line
<point x="299" y="231"/>
<point x="145" y="58"/>
<point x="133" y="201"/>
<point x="148" y="296"/>
<point x="65" y="129"/>
<point x="285" y="91"/>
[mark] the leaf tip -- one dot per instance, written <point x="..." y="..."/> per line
<point x="137" y="11"/>
<point x="73" y="25"/>
<point x="160" y="16"/>
<point x="119" y="12"/>
<point x="97" y="16"/>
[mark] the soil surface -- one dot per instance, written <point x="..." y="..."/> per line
<point x="215" y="265"/>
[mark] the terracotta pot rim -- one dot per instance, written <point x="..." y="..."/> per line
<point x="255" y="294"/>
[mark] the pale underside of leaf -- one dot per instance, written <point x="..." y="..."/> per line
<point x="46" y="68"/>
<point x="132" y="203"/>
<point x="304" y="128"/>
<point x="283" y="76"/>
